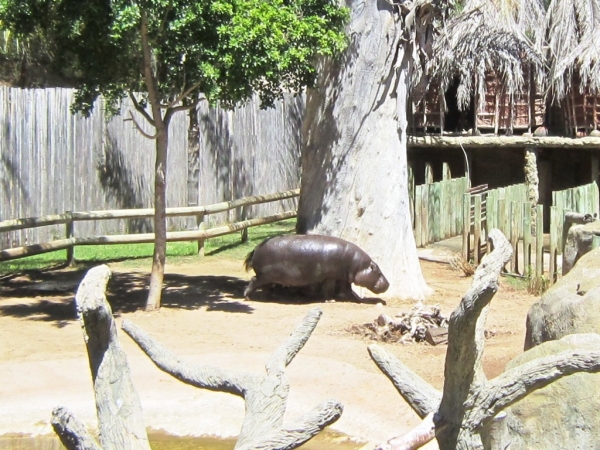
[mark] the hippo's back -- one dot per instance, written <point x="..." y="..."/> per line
<point x="298" y="260"/>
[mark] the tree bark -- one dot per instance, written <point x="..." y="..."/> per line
<point x="469" y="401"/>
<point x="354" y="182"/>
<point x="72" y="433"/>
<point x="265" y="396"/>
<point x="120" y="420"/>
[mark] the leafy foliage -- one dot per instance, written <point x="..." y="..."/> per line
<point x="224" y="49"/>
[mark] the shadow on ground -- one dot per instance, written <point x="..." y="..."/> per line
<point x="50" y="296"/>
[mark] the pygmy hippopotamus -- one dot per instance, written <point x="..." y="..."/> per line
<point x="302" y="260"/>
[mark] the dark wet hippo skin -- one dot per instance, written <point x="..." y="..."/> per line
<point x="302" y="260"/>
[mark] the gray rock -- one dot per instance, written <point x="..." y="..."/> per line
<point x="572" y="305"/>
<point x="579" y="242"/>
<point x="562" y="415"/>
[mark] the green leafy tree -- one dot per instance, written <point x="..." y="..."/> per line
<point x="167" y="55"/>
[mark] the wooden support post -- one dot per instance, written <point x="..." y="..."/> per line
<point x="539" y="242"/>
<point x="428" y="173"/>
<point x="555" y="235"/>
<point x="69" y="228"/>
<point x="477" y="230"/>
<point x="595" y="167"/>
<point x="527" y="240"/>
<point x="201" y="226"/>
<point x="446" y="173"/>
<point x="466" y="226"/>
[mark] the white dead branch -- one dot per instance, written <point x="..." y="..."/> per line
<point x="469" y="402"/>
<point x="120" y="420"/>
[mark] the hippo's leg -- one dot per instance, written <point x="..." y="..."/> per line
<point x="254" y="284"/>
<point x="344" y="291"/>
<point x="327" y="289"/>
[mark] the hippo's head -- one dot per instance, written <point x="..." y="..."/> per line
<point x="372" y="278"/>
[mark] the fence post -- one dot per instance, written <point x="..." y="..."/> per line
<point x="466" y="207"/>
<point x="244" y="232"/>
<point x="514" y="237"/>
<point x="477" y="229"/>
<point x="201" y="226"/>
<point x="69" y="234"/>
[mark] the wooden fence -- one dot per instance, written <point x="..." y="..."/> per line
<point x="438" y="211"/>
<point x="53" y="161"/>
<point x="508" y="210"/>
<point x="68" y="219"/>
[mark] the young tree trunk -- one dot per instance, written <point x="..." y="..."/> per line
<point x="354" y="181"/>
<point x="160" y="221"/>
<point x="160" y="175"/>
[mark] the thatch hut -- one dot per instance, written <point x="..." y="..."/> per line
<point x="502" y="67"/>
<point x="486" y="71"/>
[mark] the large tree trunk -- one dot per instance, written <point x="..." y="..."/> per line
<point x="354" y="181"/>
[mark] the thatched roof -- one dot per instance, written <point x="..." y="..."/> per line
<point x="550" y="39"/>
<point x="573" y="44"/>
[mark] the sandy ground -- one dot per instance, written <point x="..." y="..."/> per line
<point x="43" y="362"/>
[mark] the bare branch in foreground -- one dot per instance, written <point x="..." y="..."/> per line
<point x="414" y="439"/>
<point x="470" y="402"/>
<point x="120" y="420"/>
<point x="419" y="394"/>
<point x="265" y="396"/>
<point x="72" y="433"/>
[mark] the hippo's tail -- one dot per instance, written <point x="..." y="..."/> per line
<point x="248" y="261"/>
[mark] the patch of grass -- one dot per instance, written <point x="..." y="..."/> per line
<point x="140" y="255"/>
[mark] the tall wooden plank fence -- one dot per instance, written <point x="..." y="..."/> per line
<point x="438" y="211"/>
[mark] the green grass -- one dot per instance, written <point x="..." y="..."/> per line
<point x="139" y="255"/>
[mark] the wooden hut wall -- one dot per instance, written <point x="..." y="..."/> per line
<point x="581" y="109"/>
<point x="499" y="113"/>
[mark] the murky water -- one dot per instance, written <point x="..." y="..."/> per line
<point x="163" y="441"/>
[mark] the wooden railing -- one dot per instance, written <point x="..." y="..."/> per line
<point x="69" y="218"/>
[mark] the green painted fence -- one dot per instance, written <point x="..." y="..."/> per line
<point x="508" y="210"/>
<point x="438" y="211"/>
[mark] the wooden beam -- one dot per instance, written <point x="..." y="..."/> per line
<point x="494" y="142"/>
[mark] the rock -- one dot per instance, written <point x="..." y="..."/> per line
<point x="578" y="243"/>
<point x="562" y="415"/>
<point x="572" y="305"/>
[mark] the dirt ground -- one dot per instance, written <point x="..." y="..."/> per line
<point x="204" y="319"/>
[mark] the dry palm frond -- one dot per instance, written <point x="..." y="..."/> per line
<point x="574" y="44"/>
<point x="502" y="37"/>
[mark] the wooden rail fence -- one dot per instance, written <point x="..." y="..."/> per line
<point x="69" y="218"/>
<point x="508" y="210"/>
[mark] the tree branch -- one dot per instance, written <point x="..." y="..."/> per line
<point x="265" y="396"/>
<point x="415" y="438"/>
<point x="419" y="394"/>
<point x="139" y="128"/>
<point x="174" y="109"/>
<point x="72" y="433"/>
<point x="120" y="419"/>
<point x="286" y="352"/>
<point x="302" y="430"/>
<point x="139" y="108"/>
<point x="515" y="384"/>
<point x="207" y="377"/>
